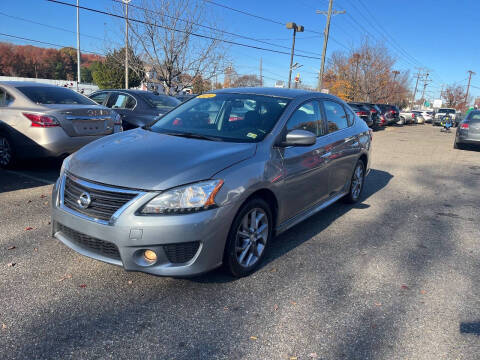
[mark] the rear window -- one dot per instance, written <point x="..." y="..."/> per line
<point x="447" y="111"/>
<point x="160" y="101"/>
<point x="474" y="116"/>
<point x="54" y="95"/>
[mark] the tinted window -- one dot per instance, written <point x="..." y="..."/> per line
<point x="350" y="116"/>
<point x="99" y="98"/>
<point x="336" y="117"/>
<point x="447" y="111"/>
<point x="5" y="98"/>
<point x="224" y="117"/>
<point x="307" y="117"/>
<point x="163" y="102"/>
<point x="121" y="101"/>
<point x="54" y="95"/>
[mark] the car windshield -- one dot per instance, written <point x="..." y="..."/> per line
<point x="223" y="117"/>
<point x="54" y="95"/>
<point x="162" y="102"/>
<point x="447" y="111"/>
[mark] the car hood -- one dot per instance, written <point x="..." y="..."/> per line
<point x="147" y="160"/>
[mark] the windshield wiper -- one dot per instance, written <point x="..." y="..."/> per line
<point x="193" y="136"/>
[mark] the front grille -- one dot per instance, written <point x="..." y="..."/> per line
<point x="103" y="203"/>
<point x="182" y="252"/>
<point x="92" y="244"/>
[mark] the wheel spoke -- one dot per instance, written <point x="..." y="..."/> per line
<point x="258" y="218"/>
<point x="253" y="216"/>
<point x="249" y="259"/>
<point x="244" y="252"/>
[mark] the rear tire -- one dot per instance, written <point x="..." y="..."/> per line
<point x="7" y="152"/>
<point x="356" y="183"/>
<point x="458" y="146"/>
<point x="248" y="238"/>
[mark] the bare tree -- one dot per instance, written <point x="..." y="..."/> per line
<point x="163" y="32"/>
<point x="454" y="96"/>
<point x="246" y="81"/>
<point x="365" y="74"/>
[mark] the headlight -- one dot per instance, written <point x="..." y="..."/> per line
<point x="65" y="164"/>
<point x="185" y="199"/>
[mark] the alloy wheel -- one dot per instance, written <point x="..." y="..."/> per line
<point x="5" y="151"/>
<point x="357" y="181"/>
<point x="251" y="237"/>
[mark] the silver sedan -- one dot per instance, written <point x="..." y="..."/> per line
<point x="212" y="181"/>
<point x="38" y="120"/>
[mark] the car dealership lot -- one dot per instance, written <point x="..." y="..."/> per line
<point x="395" y="276"/>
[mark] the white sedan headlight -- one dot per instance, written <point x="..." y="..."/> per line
<point x="184" y="199"/>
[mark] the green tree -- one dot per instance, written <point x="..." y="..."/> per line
<point x="86" y="75"/>
<point x="111" y="73"/>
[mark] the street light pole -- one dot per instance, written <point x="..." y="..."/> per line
<point x="299" y="28"/>
<point x="78" y="44"/>
<point x="126" y="42"/>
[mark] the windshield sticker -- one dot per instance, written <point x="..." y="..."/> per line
<point x="206" y="96"/>
<point x="252" y="135"/>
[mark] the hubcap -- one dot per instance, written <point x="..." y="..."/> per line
<point x="5" y="151"/>
<point x="251" y="239"/>
<point x="357" y="181"/>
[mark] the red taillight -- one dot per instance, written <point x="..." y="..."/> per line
<point x="413" y="115"/>
<point x="373" y="111"/>
<point x="464" y="126"/>
<point x="43" y="121"/>
<point x="362" y="113"/>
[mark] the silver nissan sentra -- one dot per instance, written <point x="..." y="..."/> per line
<point x="212" y="181"/>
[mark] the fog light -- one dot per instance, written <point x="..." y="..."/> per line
<point x="150" y="255"/>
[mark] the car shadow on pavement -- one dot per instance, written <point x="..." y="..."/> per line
<point x="470" y="328"/>
<point x="304" y="231"/>
<point x="30" y="173"/>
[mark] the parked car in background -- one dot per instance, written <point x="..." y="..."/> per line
<point x="184" y="97"/>
<point x="39" y="120"/>
<point x="468" y="131"/>
<point x="363" y="112"/>
<point x="427" y="115"/>
<point x="186" y="194"/>
<point x="391" y="114"/>
<point x="375" y="113"/>
<point x="408" y="117"/>
<point x="136" y="107"/>
<point x="419" y="119"/>
<point x="441" y="113"/>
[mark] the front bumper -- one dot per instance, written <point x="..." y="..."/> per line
<point x="132" y="234"/>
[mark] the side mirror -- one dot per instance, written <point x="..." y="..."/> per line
<point x="299" y="138"/>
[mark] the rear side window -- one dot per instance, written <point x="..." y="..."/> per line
<point x="54" y="95"/>
<point x="336" y="117"/>
<point x="350" y="116"/>
<point x="5" y="98"/>
<point x="121" y="101"/>
<point x="307" y="117"/>
<point x="99" y="98"/>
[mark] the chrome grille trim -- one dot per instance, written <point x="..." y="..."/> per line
<point x="101" y="188"/>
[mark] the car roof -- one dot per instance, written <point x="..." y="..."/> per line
<point x="271" y="91"/>
<point x="132" y="91"/>
<point x="26" y="83"/>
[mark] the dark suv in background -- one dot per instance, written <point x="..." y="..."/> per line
<point x="390" y="112"/>
<point x="136" y="107"/>
<point x="363" y="113"/>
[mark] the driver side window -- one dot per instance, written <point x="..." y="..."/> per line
<point x="307" y="117"/>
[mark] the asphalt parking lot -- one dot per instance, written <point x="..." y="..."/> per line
<point x="394" y="277"/>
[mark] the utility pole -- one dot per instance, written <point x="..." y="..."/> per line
<point x="261" y="75"/>
<point x="356" y="58"/>
<point x="470" y="73"/>
<point x="325" y="40"/>
<point x="126" y="42"/>
<point x="78" y="44"/>
<point x="416" y="86"/>
<point x="425" y="83"/>
<point x="395" y="73"/>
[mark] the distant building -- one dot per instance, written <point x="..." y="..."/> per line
<point x="477" y="102"/>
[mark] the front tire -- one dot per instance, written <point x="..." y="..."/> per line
<point x="7" y="154"/>
<point x="356" y="184"/>
<point x="248" y="238"/>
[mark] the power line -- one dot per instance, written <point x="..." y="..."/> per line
<point x="213" y="29"/>
<point x="49" y="26"/>
<point x="183" y="31"/>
